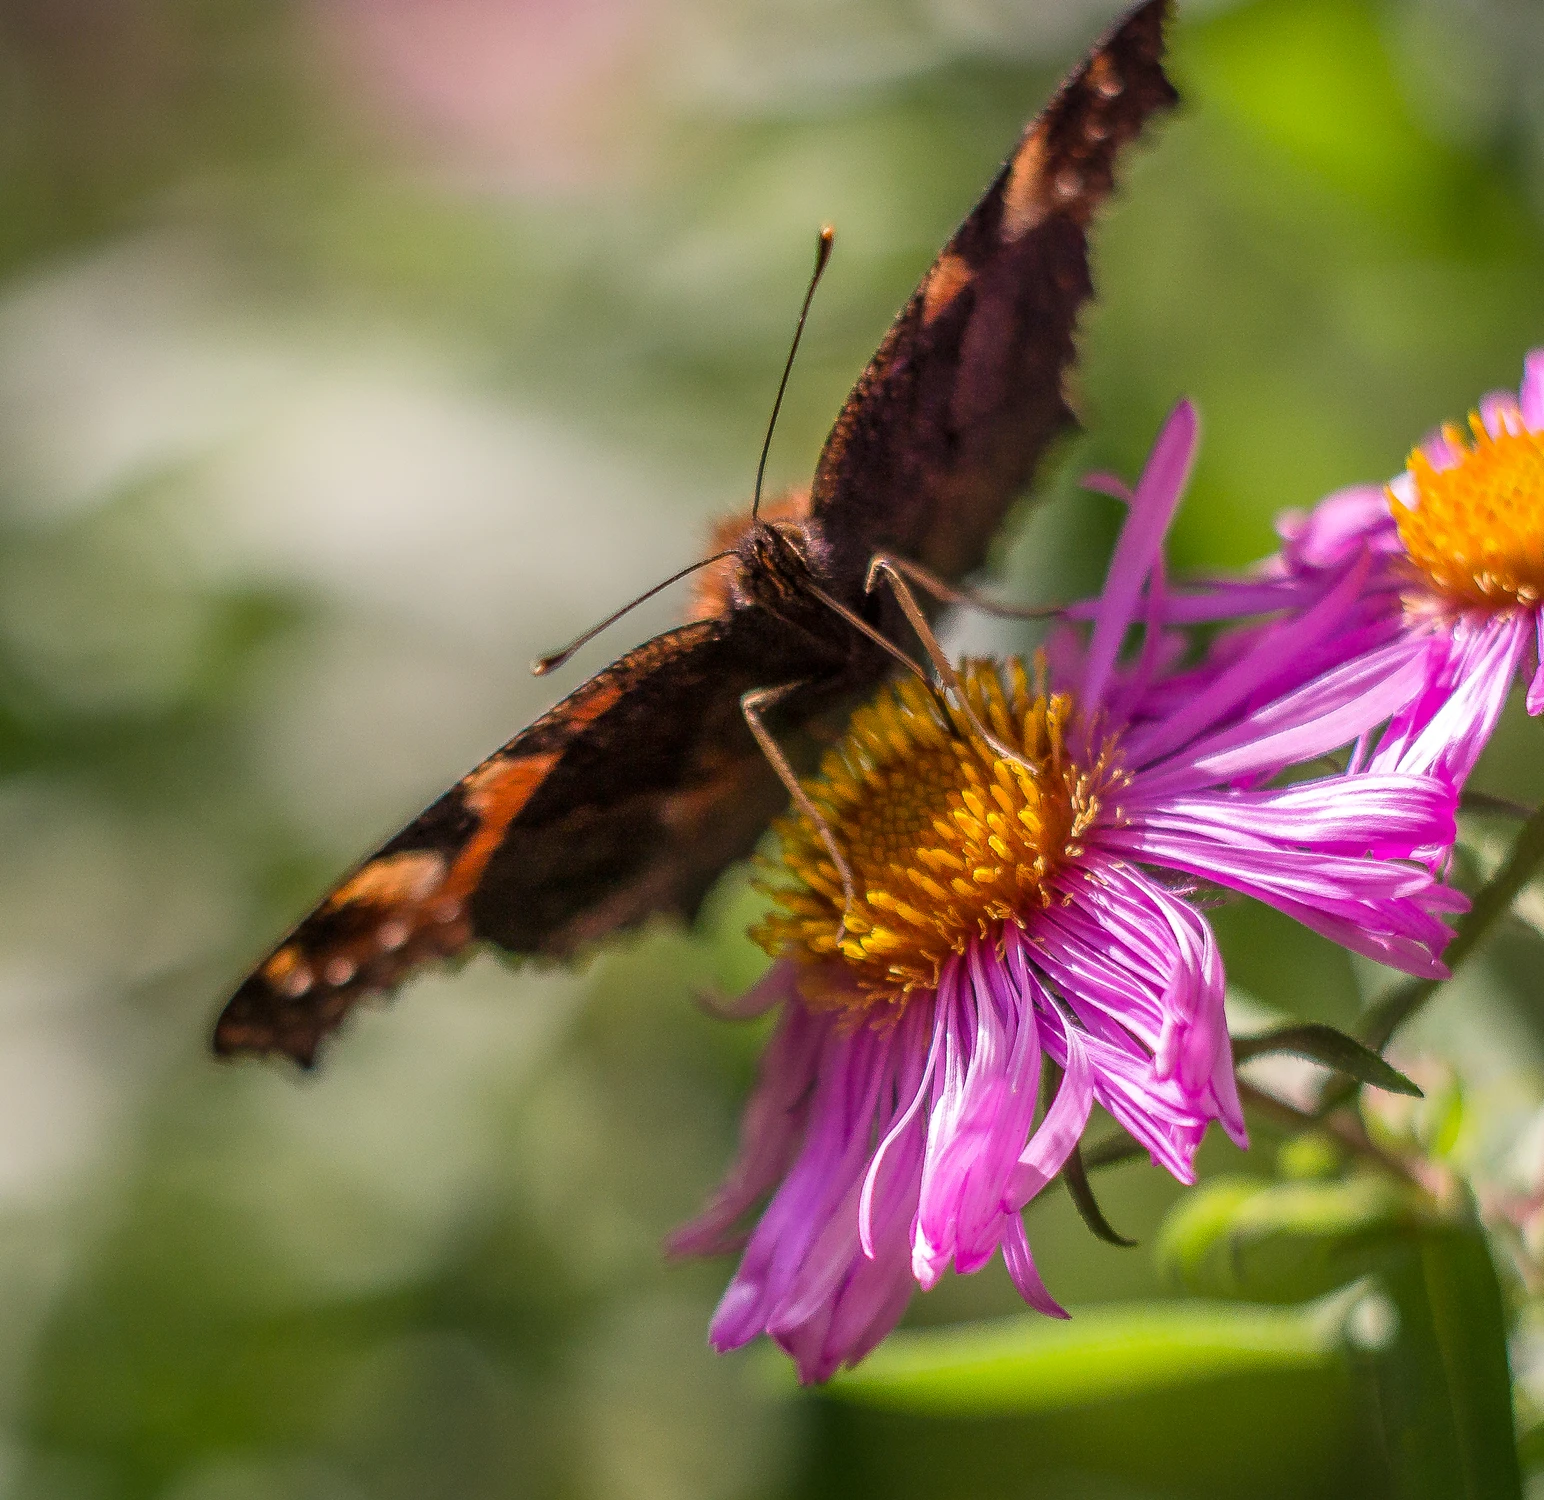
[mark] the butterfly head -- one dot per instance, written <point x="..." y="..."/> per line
<point x="769" y="554"/>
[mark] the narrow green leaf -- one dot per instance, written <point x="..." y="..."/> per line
<point x="1076" y="1178"/>
<point x="1443" y="1387"/>
<point x="1334" y="1049"/>
<point x="1530" y="1447"/>
<point x="1029" y="1364"/>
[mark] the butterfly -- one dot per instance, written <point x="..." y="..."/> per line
<point x="634" y="793"/>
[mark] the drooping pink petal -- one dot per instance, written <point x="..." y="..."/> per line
<point x="1141" y="973"/>
<point x="1383" y="909"/>
<point x="770" y="1129"/>
<point x="984" y="1179"/>
<point x="1025" y="1274"/>
<point x="912" y="1089"/>
<point x="1065" y="1121"/>
<point x="878" y="1287"/>
<point x="776" y="1266"/>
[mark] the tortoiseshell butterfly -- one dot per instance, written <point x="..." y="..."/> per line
<point x="634" y="793"/>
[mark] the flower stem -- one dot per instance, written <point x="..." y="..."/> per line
<point x="1344" y="1125"/>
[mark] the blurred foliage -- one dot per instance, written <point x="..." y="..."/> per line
<point x="354" y="351"/>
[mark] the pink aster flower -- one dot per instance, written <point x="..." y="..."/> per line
<point x="1020" y="873"/>
<point x="1442" y="569"/>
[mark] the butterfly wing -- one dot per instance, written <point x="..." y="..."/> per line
<point x="944" y="427"/>
<point x="627" y="798"/>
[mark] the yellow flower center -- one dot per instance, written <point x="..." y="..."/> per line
<point x="1478" y="530"/>
<point x="945" y="838"/>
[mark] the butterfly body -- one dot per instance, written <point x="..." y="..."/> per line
<point x="632" y="795"/>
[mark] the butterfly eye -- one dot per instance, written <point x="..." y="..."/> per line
<point x="792" y="535"/>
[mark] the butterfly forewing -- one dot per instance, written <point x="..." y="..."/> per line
<point x="945" y="426"/>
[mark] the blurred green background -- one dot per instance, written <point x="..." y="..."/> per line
<point x="352" y="352"/>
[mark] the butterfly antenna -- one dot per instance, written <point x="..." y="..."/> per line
<point x="550" y="663"/>
<point x="822" y="255"/>
<point x="545" y="664"/>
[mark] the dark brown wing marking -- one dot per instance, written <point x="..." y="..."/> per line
<point x="627" y="798"/>
<point x="945" y="426"/>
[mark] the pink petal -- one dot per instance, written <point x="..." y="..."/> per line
<point x="1231" y="687"/>
<point x="769" y="1131"/>
<point x="1314" y="719"/>
<point x="1152" y="508"/>
<point x="1443" y="729"/>
<point x="1383" y="909"/>
<point x="1103" y="483"/>
<point x="1535" y="700"/>
<point x="1530" y="398"/>
<point x="1441" y="453"/>
<point x="1062" y="1128"/>
<point x="789" y="1249"/>
<point x="995" y="1159"/>
<point x="1021" y="1267"/>
<point x="1383" y="815"/>
<point x="1500" y="413"/>
<point x="903" y="1124"/>
<point x="1340" y="526"/>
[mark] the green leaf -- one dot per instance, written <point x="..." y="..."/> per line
<point x="1444" y="1396"/>
<point x="1530" y="1447"/>
<point x="1076" y="1178"/>
<point x="1282" y="1242"/>
<point x="1030" y="1364"/>
<point x="1436" y="1356"/>
<point x="1334" y="1049"/>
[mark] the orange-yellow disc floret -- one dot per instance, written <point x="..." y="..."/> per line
<point x="1477" y="530"/>
<point x="945" y="837"/>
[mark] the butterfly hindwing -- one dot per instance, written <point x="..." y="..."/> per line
<point x="943" y="429"/>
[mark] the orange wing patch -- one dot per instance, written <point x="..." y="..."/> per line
<point x="1024" y="204"/>
<point x="411" y="906"/>
<point x="497" y="792"/>
<point x="950" y="275"/>
<point x="395" y="879"/>
<point x="396" y="912"/>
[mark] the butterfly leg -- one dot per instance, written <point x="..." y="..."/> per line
<point x="752" y="705"/>
<point x="946" y="593"/>
<point x="883" y="567"/>
<point x="876" y="635"/>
